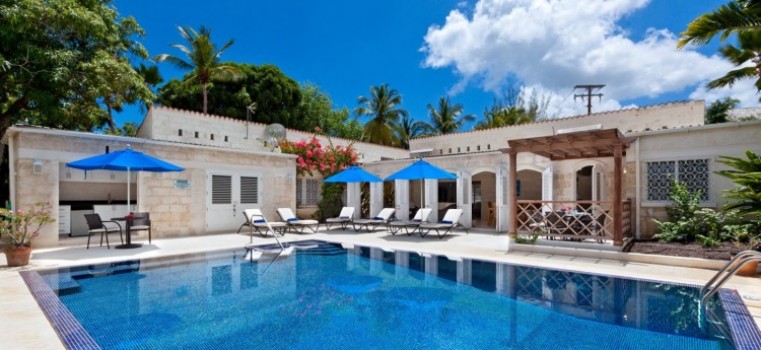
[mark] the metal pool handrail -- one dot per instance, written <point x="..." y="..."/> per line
<point x="729" y="270"/>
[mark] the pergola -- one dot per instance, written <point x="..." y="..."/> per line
<point x="575" y="145"/>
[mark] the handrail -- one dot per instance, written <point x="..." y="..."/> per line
<point x="729" y="270"/>
<point x="250" y="248"/>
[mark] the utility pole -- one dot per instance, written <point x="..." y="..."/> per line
<point x="588" y="95"/>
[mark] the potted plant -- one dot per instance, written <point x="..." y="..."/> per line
<point x="19" y="227"/>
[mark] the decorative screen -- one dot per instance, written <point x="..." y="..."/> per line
<point x="221" y="189"/>
<point x="694" y="173"/>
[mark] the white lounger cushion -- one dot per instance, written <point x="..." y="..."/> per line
<point x="451" y="218"/>
<point x="287" y="215"/>
<point x="382" y="217"/>
<point x="347" y="213"/>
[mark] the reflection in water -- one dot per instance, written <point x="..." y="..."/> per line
<point x="326" y="298"/>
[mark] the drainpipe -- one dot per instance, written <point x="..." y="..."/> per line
<point x="12" y="170"/>
<point x="637" y="189"/>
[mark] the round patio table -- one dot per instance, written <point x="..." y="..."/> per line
<point x="128" y="225"/>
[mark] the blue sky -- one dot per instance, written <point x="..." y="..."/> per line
<point x="466" y="50"/>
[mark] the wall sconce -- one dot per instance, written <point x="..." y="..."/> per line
<point x="37" y="167"/>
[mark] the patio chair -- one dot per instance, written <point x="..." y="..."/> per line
<point x="293" y="222"/>
<point x="381" y="219"/>
<point x="420" y="217"/>
<point x="451" y="220"/>
<point x="556" y="224"/>
<point x="255" y="220"/>
<point x="344" y="218"/>
<point x="95" y="225"/>
<point x="141" y="222"/>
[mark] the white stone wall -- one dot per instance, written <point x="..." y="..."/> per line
<point x="707" y="142"/>
<point x="163" y="123"/>
<point x="174" y="212"/>
<point x="668" y="116"/>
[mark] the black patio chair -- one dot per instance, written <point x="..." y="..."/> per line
<point x="141" y="222"/>
<point x="95" y="225"/>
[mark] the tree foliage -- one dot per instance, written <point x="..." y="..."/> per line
<point x="514" y="109"/>
<point x="203" y="61"/>
<point x="277" y="96"/>
<point x="717" y="112"/>
<point x="746" y="174"/>
<point x="446" y="117"/>
<point x="383" y="106"/>
<point x="61" y="59"/>
<point x="740" y="17"/>
<point x="316" y="109"/>
<point x="408" y="129"/>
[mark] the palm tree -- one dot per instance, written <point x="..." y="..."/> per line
<point x="447" y="118"/>
<point x="408" y="129"/>
<point x="152" y="78"/>
<point x="741" y="17"/>
<point x="500" y="115"/>
<point x="383" y="107"/>
<point x="734" y="17"/>
<point x="204" y="60"/>
<point x="749" y="43"/>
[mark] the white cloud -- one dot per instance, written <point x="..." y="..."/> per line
<point x="553" y="45"/>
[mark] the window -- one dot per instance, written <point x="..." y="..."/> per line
<point x="196" y="134"/>
<point x="694" y="173"/>
<point x="307" y="192"/>
<point x="221" y="189"/>
<point x="225" y="138"/>
<point x="458" y="149"/>
<point x="179" y="132"/>
<point x="478" y="148"/>
<point x="488" y="146"/>
<point x="211" y="137"/>
<point x="450" y="151"/>
<point x="467" y="149"/>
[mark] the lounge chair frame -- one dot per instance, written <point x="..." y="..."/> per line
<point x="346" y="212"/>
<point x="296" y="224"/>
<point x="421" y="216"/>
<point x="385" y="214"/>
<point x="452" y="215"/>
<point x="252" y="215"/>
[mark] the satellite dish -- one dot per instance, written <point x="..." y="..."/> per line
<point x="273" y="134"/>
<point x="276" y="131"/>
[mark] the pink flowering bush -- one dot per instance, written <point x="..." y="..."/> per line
<point x="19" y="227"/>
<point x="314" y="157"/>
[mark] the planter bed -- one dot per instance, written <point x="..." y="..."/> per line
<point x="692" y="250"/>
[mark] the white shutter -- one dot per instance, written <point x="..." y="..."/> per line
<point x="547" y="190"/>
<point x="598" y="184"/>
<point x="402" y="199"/>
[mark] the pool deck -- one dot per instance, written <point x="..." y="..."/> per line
<point x="27" y="327"/>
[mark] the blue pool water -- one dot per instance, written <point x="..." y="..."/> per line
<point x="325" y="297"/>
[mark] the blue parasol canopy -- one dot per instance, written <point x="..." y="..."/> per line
<point x="124" y="160"/>
<point x="353" y="174"/>
<point x="421" y="170"/>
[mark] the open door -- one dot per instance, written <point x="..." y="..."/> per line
<point x="402" y="199"/>
<point x="464" y="198"/>
<point x="547" y="190"/>
<point x="598" y="188"/>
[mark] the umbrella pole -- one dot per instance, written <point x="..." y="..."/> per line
<point x="129" y="190"/>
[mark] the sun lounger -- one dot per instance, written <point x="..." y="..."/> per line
<point x="344" y="218"/>
<point x="451" y="220"/>
<point x="420" y="217"/>
<point x="293" y="222"/>
<point x="255" y="220"/>
<point x="381" y="219"/>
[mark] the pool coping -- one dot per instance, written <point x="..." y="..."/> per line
<point x="744" y="331"/>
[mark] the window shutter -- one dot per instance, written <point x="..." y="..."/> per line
<point x="221" y="189"/>
<point x="249" y="190"/>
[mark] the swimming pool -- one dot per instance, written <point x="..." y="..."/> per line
<point x="327" y="297"/>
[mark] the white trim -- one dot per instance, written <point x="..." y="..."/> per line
<point x="12" y="171"/>
<point x="578" y="128"/>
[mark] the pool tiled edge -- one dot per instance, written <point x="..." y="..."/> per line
<point x="745" y="333"/>
<point x="70" y="331"/>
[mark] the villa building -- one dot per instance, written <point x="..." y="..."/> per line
<point x="616" y="165"/>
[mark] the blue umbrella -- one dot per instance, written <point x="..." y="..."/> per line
<point x="421" y="170"/>
<point x="124" y="160"/>
<point x="353" y="174"/>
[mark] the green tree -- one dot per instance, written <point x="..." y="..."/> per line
<point x="514" y="108"/>
<point x="741" y="17"/>
<point x="61" y="61"/>
<point x="746" y="174"/>
<point x="277" y="96"/>
<point x="383" y="107"/>
<point x="316" y="109"/>
<point x="447" y="118"/>
<point x="718" y="110"/>
<point x="152" y="78"/>
<point x="408" y="129"/>
<point x="203" y="60"/>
